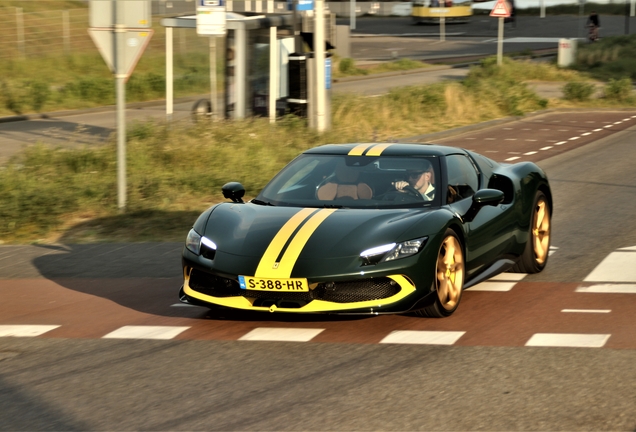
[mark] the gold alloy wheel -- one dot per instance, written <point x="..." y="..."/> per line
<point x="541" y="231"/>
<point x="450" y="273"/>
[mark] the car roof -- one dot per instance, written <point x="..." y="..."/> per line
<point x="385" y="149"/>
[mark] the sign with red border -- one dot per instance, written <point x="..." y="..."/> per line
<point x="501" y="9"/>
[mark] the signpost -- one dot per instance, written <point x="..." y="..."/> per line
<point x="121" y="31"/>
<point x="501" y="10"/>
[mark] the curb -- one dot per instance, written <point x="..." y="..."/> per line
<point x="105" y="108"/>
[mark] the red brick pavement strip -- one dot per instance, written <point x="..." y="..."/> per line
<point x="543" y="136"/>
<point x="92" y="308"/>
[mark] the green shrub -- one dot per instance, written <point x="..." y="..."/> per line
<point x="618" y="89"/>
<point x="580" y="91"/>
<point x="38" y="94"/>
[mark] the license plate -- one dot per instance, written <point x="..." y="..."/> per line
<point x="265" y="284"/>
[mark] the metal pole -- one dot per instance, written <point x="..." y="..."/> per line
<point x="169" y="74"/>
<point x="627" y="17"/>
<point x="500" y="42"/>
<point x="442" y="29"/>
<point x="352" y="15"/>
<point x="213" y="95"/>
<point x="319" y="50"/>
<point x="120" y="87"/>
<point x="542" y="9"/>
<point x="273" y="73"/>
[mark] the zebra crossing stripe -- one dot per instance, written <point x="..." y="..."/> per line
<point x="421" y="337"/>
<point x="145" y="332"/>
<point x="25" y="330"/>
<point x="281" y="334"/>
<point x="608" y="289"/>
<point x="568" y="340"/>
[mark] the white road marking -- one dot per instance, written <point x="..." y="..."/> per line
<point x="630" y="248"/>
<point x="586" y="134"/>
<point x="508" y="277"/>
<point x="493" y="286"/>
<point x="597" y="130"/>
<point x="281" y="334"/>
<point x="530" y="153"/>
<point x="586" y="310"/>
<point x="512" y="158"/>
<point x="608" y="289"/>
<point x="531" y="140"/>
<point x="608" y="126"/>
<point x="568" y="340"/>
<point x="25" y="330"/>
<point x="423" y="337"/>
<point x="618" y="122"/>
<point x="616" y="267"/>
<point x="546" y="148"/>
<point x="574" y="138"/>
<point x="489" y="139"/>
<point x="507" y="129"/>
<point x="145" y="332"/>
<point x="510" y="139"/>
<point x="561" y="142"/>
<point x="470" y="138"/>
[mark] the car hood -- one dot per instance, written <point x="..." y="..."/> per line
<point x="250" y="230"/>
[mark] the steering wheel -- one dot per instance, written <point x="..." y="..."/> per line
<point x="410" y="190"/>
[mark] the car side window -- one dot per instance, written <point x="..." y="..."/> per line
<point x="463" y="180"/>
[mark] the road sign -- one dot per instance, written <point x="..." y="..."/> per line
<point x="136" y="43"/>
<point x="501" y="9"/>
<point x="134" y="13"/>
<point x="302" y="5"/>
<point x="211" y="18"/>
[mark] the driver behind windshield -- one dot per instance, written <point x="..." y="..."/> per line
<point x="420" y="179"/>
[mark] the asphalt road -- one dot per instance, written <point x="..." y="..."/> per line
<point x="73" y="378"/>
<point x="203" y="377"/>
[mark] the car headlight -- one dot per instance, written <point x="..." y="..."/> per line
<point x="200" y="245"/>
<point x="392" y="251"/>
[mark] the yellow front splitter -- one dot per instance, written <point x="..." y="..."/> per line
<point x="406" y="288"/>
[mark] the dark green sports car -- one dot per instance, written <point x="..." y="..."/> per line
<point x="369" y="229"/>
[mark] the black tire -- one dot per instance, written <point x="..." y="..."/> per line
<point x="537" y="250"/>
<point x="449" y="278"/>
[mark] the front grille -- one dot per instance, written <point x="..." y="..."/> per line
<point x="337" y="292"/>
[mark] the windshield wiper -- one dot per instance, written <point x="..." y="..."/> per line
<point x="259" y="202"/>
<point x="333" y="206"/>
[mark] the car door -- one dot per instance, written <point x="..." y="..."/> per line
<point x="487" y="235"/>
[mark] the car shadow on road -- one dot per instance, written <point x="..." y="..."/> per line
<point x="141" y="276"/>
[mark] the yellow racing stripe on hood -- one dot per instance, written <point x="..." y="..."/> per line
<point x="298" y="243"/>
<point x="268" y="261"/>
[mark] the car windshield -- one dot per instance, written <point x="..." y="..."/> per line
<point x="342" y="181"/>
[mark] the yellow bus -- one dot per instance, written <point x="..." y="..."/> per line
<point x="430" y="11"/>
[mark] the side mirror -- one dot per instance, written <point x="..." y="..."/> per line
<point x="491" y="197"/>
<point x="483" y="197"/>
<point x="234" y="191"/>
